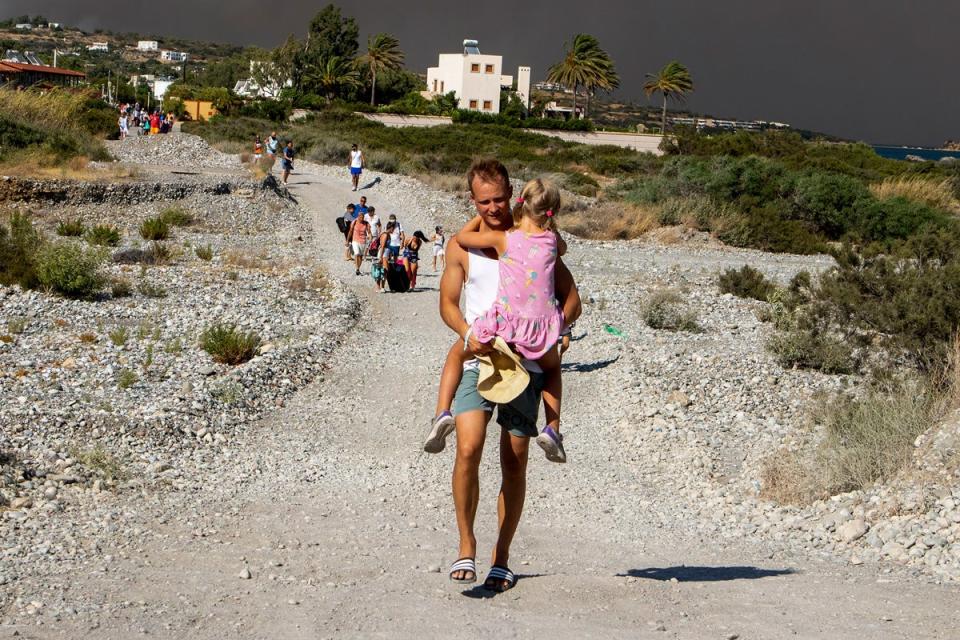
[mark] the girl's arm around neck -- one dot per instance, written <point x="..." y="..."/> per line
<point x="483" y="240"/>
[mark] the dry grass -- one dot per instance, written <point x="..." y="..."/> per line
<point x="610" y="221"/>
<point x="444" y="182"/>
<point x="939" y="194"/>
<point x="50" y="110"/>
<point x="861" y="441"/>
<point x="317" y="280"/>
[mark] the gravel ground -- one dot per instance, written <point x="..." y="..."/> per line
<point x="316" y="502"/>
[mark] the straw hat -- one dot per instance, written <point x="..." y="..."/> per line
<point x="502" y="376"/>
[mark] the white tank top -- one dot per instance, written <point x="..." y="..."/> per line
<point x="480" y="292"/>
<point x="354" y="159"/>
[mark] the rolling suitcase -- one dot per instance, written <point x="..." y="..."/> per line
<point x="397" y="278"/>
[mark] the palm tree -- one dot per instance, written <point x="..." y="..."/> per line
<point x="333" y="74"/>
<point x="673" y="82"/>
<point x="585" y="64"/>
<point x="383" y="54"/>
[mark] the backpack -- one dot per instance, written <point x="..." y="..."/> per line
<point x="374" y="246"/>
<point x="343" y="225"/>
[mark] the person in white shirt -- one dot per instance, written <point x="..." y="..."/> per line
<point x="374" y="221"/>
<point x="356" y="165"/>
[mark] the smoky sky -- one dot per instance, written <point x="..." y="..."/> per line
<point x="882" y="71"/>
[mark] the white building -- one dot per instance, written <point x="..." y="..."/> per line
<point x="99" y="46"/>
<point x="147" y="45"/>
<point x="24" y="26"/>
<point x="476" y="79"/>
<point x="160" y="88"/>
<point x="173" y="56"/>
<point x="263" y="82"/>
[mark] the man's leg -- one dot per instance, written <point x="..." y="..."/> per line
<point x="513" y="491"/>
<point x="471" y="431"/>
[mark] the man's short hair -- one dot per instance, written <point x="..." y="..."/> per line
<point x="488" y="170"/>
<point x="351" y="207"/>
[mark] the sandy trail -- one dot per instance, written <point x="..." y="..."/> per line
<point x="347" y="528"/>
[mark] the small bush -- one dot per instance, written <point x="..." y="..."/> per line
<point x="103" y="235"/>
<point x="159" y="253"/>
<point x="87" y="337"/>
<point x="745" y="282"/>
<point x="119" y="336"/>
<point x="101" y="462"/>
<point x="16" y="326"/>
<point x="121" y="288"/>
<point x="70" y="269"/>
<point x="204" y="252"/>
<point x="126" y="378"/>
<point x="609" y="221"/>
<point x="71" y="228"/>
<point x="177" y="217"/>
<point x="154" y="229"/>
<point x="228" y="345"/>
<point x="666" y="310"/>
<point x="19" y="244"/>
<point x="808" y="349"/>
<point x="151" y="290"/>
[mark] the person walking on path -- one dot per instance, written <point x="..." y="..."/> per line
<point x="378" y="270"/>
<point x="475" y="274"/>
<point x="439" y="248"/>
<point x="287" y="163"/>
<point x="347" y="220"/>
<point x="356" y="166"/>
<point x="359" y="233"/>
<point x="373" y="220"/>
<point x="122" y="123"/>
<point x="411" y="256"/>
<point x="273" y="143"/>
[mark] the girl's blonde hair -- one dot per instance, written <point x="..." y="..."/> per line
<point x="540" y="201"/>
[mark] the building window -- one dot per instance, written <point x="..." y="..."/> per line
<point x="473" y="104"/>
<point x="441" y="85"/>
<point x="434" y="85"/>
<point x="487" y="105"/>
<point x="475" y="68"/>
<point x="488" y="68"/>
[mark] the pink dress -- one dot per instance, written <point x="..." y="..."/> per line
<point x="525" y="313"/>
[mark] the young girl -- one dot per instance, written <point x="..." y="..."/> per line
<point x="525" y="313"/>
<point x="439" y="248"/>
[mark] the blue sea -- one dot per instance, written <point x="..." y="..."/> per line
<point x="901" y="153"/>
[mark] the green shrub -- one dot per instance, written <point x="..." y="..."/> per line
<point x="121" y="288"/>
<point x="766" y="229"/>
<point x="204" y="252"/>
<point x="176" y="217"/>
<point x="159" y="253"/>
<point x="71" y="270"/>
<point x="154" y="229"/>
<point x="383" y="161"/>
<point x="228" y="345"/>
<point x="745" y="282"/>
<point x="19" y="244"/>
<point x="151" y="290"/>
<point x="103" y="235"/>
<point x="126" y="378"/>
<point x="828" y="202"/>
<point x="666" y="310"/>
<point x="71" y="228"/>
<point x="119" y="335"/>
<point x="808" y="349"/>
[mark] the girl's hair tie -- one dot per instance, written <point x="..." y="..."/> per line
<point x="520" y="200"/>
<point x="549" y="213"/>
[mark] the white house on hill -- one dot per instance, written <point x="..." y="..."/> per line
<point x="476" y="79"/>
<point x="147" y="45"/>
<point x="173" y="56"/>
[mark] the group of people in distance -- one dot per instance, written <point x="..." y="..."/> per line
<point x="270" y="147"/>
<point x="143" y="121"/>
<point x="506" y="263"/>
<point x="387" y="245"/>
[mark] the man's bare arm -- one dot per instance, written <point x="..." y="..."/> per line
<point x="451" y="284"/>
<point x="567" y="294"/>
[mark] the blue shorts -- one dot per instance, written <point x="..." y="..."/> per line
<point x="394" y="251"/>
<point x="519" y="416"/>
<point x="355" y="171"/>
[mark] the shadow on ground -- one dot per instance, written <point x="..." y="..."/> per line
<point x="480" y="592"/>
<point x="586" y="367"/>
<point x="705" y="574"/>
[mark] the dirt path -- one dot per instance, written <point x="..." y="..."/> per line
<point x="347" y="528"/>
